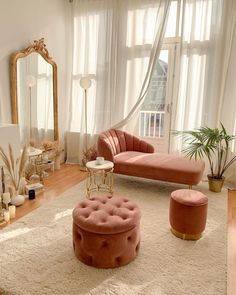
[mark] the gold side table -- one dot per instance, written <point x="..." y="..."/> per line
<point x="100" y="177"/>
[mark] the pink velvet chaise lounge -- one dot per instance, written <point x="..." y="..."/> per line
<point x="135" y="157"/>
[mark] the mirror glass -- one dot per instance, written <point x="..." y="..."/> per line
<point x="35" y="98"/>
<point x="34" y="95"/>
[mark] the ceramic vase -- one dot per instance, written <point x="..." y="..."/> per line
<point x="17" y="199"/>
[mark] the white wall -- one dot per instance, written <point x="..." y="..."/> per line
<point x="22" y="22"/>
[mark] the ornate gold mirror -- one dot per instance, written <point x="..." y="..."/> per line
<point x="34" y="93"/>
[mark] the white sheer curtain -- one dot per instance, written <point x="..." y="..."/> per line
<point x="227" y="112"/>
<point x="115" y="44"/>
<point x="207" y="92"/>
<point x="201" y="64"/>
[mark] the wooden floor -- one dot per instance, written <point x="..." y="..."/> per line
<point x="55" y="184"/>
<point x="231" y="258"/>
<point x="69" y="175"/>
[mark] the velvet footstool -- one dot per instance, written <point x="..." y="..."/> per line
<point x="188" y="213"/>
<point x="106" y="231"/>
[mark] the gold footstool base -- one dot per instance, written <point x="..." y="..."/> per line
<point x="186" y="236"/>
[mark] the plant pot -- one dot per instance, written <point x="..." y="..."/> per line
<point x="215" y="184"/>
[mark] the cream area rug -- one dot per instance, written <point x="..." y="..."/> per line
<point x="36" y="253"/>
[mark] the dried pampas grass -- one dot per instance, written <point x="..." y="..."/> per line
<point x="52" y="146"/>
<point x="14" y="168"/>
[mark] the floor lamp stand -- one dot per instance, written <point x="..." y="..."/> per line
<point x="30" y="82"/>
<point x="30" y="103"/>
<point x="85" y="83"/>
<point x="84" y="160"/>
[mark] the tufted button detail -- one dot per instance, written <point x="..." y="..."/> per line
<point x="118" y="259"/>
<point x="115" y="216"/>
<point x="113" y="233"/>
<point x="104" y="244"/>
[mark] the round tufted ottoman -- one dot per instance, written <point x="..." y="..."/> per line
<point x="106" y="231"/>
<point x="188" y="213"/>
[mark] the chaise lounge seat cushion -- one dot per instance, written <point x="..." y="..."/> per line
<point x="135" y="157"/>
<point x="165" y="167"/>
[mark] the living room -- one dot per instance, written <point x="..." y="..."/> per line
<point x="143" y="67"/>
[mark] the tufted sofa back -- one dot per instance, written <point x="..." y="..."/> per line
<point x="113" y="142"/>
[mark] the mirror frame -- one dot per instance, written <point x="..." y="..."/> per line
<point x="39" y="47"/>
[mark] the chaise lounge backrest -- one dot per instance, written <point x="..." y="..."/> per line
<point x="113" y="142"/>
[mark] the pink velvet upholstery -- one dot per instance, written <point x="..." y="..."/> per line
<point x="188" y="211"/>
<point x="113" y="142"/>
<point x="106" y="231"/>
<point x="134" y="157"/>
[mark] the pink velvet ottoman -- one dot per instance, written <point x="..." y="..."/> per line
<point x="188" y="213"/>
<point x="106" y="231"/>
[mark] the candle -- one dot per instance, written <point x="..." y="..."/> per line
<point x="99" y="160"/>
<point x="6" y="215"/>
<point x="6" y="198"/>
<point x="12" y="211"/>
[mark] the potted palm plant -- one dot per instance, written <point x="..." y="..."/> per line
<point x="213" y="144"/>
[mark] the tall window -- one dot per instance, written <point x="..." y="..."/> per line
<point x="154" y="117"/>
<point x="112" y="45"/>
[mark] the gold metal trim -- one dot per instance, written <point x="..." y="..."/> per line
<point x="99" y="180"/>
<point x="186" y="236"/>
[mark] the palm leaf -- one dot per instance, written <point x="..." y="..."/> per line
<point x="206" y="141"/>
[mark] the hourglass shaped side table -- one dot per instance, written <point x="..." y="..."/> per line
<point x="100" y="177"/>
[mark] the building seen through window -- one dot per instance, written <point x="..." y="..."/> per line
<point x="151" y="119"/>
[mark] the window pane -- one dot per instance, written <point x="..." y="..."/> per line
<point x="172" y="19"/>
<point x="198" y="21"/>
<point x="152" y="114"/>
<point x="137" y="32"/>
